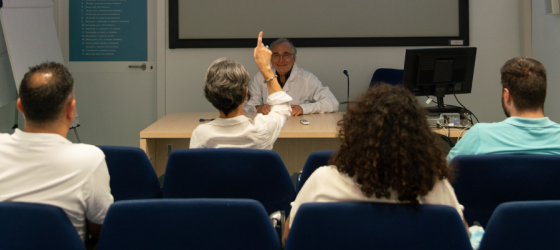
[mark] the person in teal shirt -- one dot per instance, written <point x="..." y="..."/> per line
<point x="526" y="130"/>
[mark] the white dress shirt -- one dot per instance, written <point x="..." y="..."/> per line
<point x="242" y="132"/>
<point x="47" y="168"/>
<point x="326" y="184"/>
<point x="305" y="89"/>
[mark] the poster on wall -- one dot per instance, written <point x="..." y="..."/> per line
<point x="108" y="30"/>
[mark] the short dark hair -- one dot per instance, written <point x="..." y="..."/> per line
<point x="388" y="145"/>
<point x="226" y="83"/>
<point x="525" y="78"/>
<point x="44" y="101"/>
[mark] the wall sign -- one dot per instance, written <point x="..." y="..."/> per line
<point x="108" y="30"/>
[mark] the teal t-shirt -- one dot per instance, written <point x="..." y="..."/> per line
<point x="514" y="135"/>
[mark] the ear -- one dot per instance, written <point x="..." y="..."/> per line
<point x="507" y="95"/>
<point x="19" y="106"/>
<point x="70" y="111"/>
<point x="246" y="95"/>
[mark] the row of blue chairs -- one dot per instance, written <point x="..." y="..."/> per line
<point x="205" y="173"/>
<point x="482" y="182"/>
<point x="202" y="173"/>
<point x="244" y="224"/>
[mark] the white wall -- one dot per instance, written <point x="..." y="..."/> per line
<point x="497" y="31"/>
<point x="546" y="43"/>
<point x="495" y="28"/>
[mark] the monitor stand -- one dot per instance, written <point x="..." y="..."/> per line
<point x="444" y="109"/>
<point x="441" y="107"/>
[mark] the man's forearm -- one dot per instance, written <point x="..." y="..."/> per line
<point x="318" y="107"/>
<point x="94" y="229"/>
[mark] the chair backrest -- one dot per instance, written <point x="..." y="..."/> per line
<point x="132" y="174"/>
<point x="390" y="76"/>
<point x="230" y="173"/>
<point x="484" y="181"/>
<point x="315" y="160"/>
<point x="371" y="225"/>
<point x="523" y="225"/>
<point x="187" y="224"/>
<point x="36" y="226"/>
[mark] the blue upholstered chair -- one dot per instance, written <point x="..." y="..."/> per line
<point x="371" y="225"/>
<point x="230" y="173"/>
<point x="523" y="225"/>
<point x="188" y="224"/>
<point x="36" y="226"/>
<point x="485" y="181"/>
<point x="390" y="76"/>
<point x="132" y="174"/>
<point x="315" y="160"/>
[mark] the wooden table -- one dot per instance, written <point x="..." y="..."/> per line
<point x="294" y="144"/>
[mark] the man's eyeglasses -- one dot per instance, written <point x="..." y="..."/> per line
<point x="286" y="56"/>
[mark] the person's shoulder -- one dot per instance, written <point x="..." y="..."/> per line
<point x="199" y="130"/>
<point x="493" y="127"/>
<point x="554" y="124"/>
<point x="85" y="151"/>
<point x="330" y="176"/>
<point x="300" y="72"/>
<point x="550" y="123"/>
<point x="80" y="157"/>
<point x="4" y="136"/>
<point x="485" y="127"/>
<point x="327" y="172"/>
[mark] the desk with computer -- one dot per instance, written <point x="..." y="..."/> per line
<point x="439" y="72"/>
<point x="435" y="72"/>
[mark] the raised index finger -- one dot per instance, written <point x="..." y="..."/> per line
<point x="259" y="40"/>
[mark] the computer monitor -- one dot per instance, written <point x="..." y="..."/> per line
<point x="439" y="72"/>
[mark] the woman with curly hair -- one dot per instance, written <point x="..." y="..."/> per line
<point x="388" y="154"/>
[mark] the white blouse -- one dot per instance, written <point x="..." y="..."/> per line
<point x="326" y="184"/>
<point x="242" y="132"/>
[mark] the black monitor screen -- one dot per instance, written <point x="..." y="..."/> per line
<point x="439" y="71"/>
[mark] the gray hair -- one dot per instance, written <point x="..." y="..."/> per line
<point x="226" y="83"/>
<point x="283" y="40"/>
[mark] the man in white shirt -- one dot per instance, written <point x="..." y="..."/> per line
<point x="309" y="95"/>
<point x="39" y="165"/>
<point x="227" y="84"/>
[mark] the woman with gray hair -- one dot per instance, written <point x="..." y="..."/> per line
<point x="227" y="84"/>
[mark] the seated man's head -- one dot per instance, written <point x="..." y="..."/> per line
<point x="388" y="145"/>
<point x="283" y="55"/>
<point x="46" y="96"/>
<point x="523" y="86"/>
<point x="227" y="84"/>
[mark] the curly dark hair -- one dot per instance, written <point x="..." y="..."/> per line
<point x="387" y="144"/>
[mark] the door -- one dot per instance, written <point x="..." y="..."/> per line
<point x="115" y="101"/>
